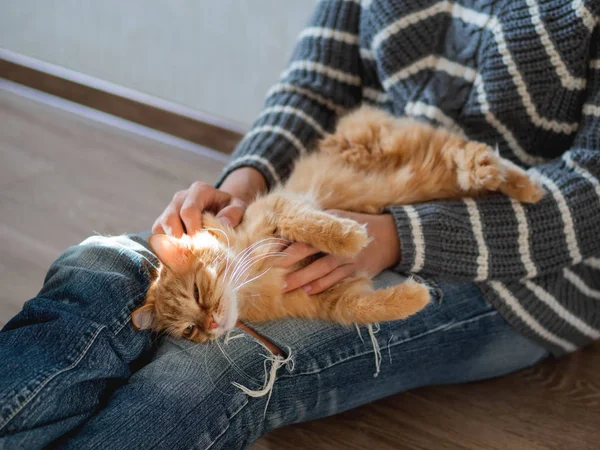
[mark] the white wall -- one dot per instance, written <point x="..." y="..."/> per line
<point x="217" y="56"/>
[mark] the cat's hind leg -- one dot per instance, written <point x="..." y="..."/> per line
<point x="353" y="300"/>
<point x="360" y="139"/>
<point x="479" y="168"/>
<point x="520" y="185"/>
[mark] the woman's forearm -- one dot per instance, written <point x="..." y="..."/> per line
<point x="244" y="183"/>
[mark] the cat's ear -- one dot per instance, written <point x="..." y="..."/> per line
<point x="170" y="251"/>
<point x="143" y="317"/>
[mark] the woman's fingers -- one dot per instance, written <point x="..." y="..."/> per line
<point x="296" y="252"/>
<point x="169" y="221"/>
<point x="184" y="212"/>
<point x="201" y="197"/>
<point x="198" y="195"/>
<point x="330" y="279"/>
<point x="233" y="213"/>
<point x="313" y="272"/>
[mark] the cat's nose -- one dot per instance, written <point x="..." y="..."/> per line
<point x="211" y="323"/>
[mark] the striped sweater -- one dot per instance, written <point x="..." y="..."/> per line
<point x="520" y="74"/>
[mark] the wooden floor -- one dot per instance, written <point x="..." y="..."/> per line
<point x="63" y="177"/>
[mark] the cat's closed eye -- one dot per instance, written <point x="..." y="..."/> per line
<point x="196" y="293"/>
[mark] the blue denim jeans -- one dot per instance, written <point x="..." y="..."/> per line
<point x="75" y="374"/>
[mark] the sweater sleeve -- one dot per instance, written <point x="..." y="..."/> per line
<point x="322" y="80"/>
<point x="496" y="238"/>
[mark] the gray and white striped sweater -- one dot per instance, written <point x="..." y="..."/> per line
<point x="522" y="74"/>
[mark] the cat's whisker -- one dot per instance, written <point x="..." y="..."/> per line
<point x="208" y="373"/>
<point x="254" y="261"/>
<point x="243" y="260"/>
<point x="251" y="261"/>
<point x="246" y="268"/>
<point x="237" y="259"/>
<point x="229" y="359"/>
<point x="250" y="280"/>
<point x="243" y="253"/>
<point x="218" y="344"/>
<point x="228" y="243"/>
<point x="220" y="259"/>
<point x="251" y="298"/>
<point x="248" y="250"/>
<point x="255" y="247"/>
<point x="245" y="264"/>
<point x="262" y="241"/>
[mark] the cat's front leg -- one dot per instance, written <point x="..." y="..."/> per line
<point x="297" y="218"/>
<point x="324" y="231"/>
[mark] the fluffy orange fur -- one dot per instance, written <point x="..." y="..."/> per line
<point x="372" y="160"/>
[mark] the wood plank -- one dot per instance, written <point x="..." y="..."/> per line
<point x="207" y="134"/>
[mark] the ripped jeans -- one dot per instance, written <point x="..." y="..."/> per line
<point x="75" y="374"/>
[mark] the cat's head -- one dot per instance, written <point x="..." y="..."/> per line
<point x="191" y="297"/>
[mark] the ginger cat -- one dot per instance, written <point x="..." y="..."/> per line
<point x="372" y="160"/>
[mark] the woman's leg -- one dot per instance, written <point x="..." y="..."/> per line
<point x="185" y="398"/>
<point x="73" y="343"/>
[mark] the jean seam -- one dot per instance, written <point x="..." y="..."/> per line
<point x="132" y="292"/>
<point x="122" y="318"/>
<point x="359" y="355"/>
<point x="435" y="291"/>
<point x="120" y="328"/>
<point x="50" y="378"/>
<point x="228" y="424"/>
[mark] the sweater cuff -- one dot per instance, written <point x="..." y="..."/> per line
<point x="411" y="239"/>
<point x="437" y="240"/>
<point x="257" y="162"/>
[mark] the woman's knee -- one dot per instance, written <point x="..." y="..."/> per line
<point x="124" y="253"/>
<point x="208" y="391"/>
<point x="101" y="280"/>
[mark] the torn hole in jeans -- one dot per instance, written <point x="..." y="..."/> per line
<point x="274" y="360"/>
<point x="263" y="340"/>
<point x="372" y="329"/>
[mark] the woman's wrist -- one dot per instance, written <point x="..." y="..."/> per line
<point x="392" y="252"/>
<point x="244" y="183"/>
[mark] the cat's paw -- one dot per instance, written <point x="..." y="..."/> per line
<point x="406" y="299"/>
<point x="522" y="187"/>
<point x="532" y="192"/>
<point x="325" y="232"/>
<point x="347" y="238"/>
<point x="486" y="171"/>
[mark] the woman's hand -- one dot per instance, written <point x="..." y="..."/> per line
<point x="382" y="252"/>
<point x="184" y="213"/>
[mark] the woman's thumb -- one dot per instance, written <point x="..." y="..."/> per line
<point x="232" y="215"/>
